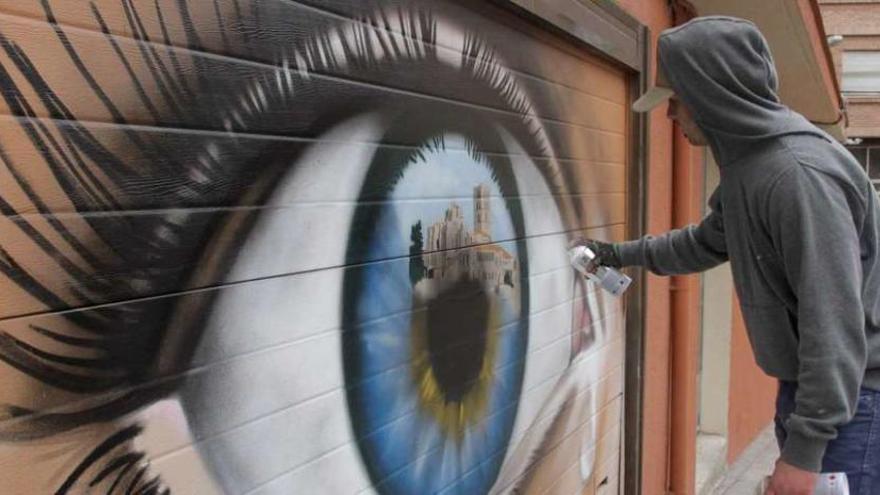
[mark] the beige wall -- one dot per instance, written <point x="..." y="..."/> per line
<point x="715" y="356"/>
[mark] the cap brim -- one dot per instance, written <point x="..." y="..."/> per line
<point x="652" y="98"/>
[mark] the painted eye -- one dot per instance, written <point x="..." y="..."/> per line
<point x="427" y="361"/>
<point x="352" y="275"/>
<point x="407" y="354"/>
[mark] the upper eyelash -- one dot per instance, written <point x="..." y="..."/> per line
<point x="87" y="193"/>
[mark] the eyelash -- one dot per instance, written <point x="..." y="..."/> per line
<point x="73" y="159"/>
<point x="123" y="463"/>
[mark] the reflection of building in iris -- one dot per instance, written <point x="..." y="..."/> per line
<point x="482" y="215"/>
<point x="447" y="259"/>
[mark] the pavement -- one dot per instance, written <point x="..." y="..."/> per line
<point x="744" y="476"/>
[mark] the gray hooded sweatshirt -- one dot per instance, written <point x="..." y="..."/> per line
<point x="796" y="216"/>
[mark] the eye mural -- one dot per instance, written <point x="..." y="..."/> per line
<point x="304" y="247"/>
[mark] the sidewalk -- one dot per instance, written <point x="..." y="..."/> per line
<point x="756" y="462"/>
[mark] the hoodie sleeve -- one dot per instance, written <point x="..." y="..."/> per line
<point x="691" y="249"/>
<point x="813" y="219"/>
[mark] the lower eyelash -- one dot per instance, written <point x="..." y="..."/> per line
<point x="98" y="457"/>
<point x="123" y="462"/>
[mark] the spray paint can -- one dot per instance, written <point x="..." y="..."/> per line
<point x="832" y="484"/>
<point x="583" y="259"/>
<point x="827" y="484"/>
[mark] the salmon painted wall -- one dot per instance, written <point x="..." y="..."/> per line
<point x="313" y="246"/>
<point x="752" y="401"/>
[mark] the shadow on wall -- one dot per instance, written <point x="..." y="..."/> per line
<point x="315" y="247"/>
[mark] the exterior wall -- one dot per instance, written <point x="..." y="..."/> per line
<point x="216" y="265"/>
<point x="864" y="116"/>
<point x="752" y="393"/>
<point x="859" y="24"/>
<point x="850" y="18"/>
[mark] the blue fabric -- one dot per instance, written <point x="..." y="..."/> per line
<point x="856" y="450"/>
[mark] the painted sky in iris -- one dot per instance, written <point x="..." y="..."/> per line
<point x="443" y="177"/>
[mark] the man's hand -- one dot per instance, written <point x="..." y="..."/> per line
<point x="789" y="480"/>
<point x="605" y="253"/>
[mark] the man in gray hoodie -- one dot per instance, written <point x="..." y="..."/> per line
<point x="799" y="221"/>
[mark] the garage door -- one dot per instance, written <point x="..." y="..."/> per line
<point x="304" y="246"/>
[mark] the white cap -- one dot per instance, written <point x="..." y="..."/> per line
<point x="655" y="95"/>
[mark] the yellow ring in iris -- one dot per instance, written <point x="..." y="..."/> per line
<point x="453" y="416"/>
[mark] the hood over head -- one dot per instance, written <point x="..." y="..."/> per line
<point x="722" y="70"/>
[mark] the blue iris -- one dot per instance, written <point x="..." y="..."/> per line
<point x="406" y="446"/>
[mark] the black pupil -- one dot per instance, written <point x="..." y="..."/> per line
<point x="457" y="330"/>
